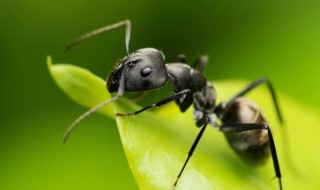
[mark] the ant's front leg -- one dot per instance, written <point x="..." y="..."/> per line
<point x="158" y="104"/>
<point x="181" y="58"/>
<point x="200" y="63"/>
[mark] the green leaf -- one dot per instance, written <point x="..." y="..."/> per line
<point x="80" y="85"/>
<point x="156" y="142"/>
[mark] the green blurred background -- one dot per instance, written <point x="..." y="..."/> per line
<point x="244" y="39"/>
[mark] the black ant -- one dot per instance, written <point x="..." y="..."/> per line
<point x="243" y="124"/>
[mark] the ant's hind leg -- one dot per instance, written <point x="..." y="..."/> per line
<point x="254" y="84"/>
<point x="239" y="127"/>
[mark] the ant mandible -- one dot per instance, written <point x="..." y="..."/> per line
<point x="243" y="124"/>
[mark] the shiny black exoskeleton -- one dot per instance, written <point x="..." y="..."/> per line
<point x="243" y="124"/>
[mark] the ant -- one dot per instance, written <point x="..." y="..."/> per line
<point x="243" y="123"/>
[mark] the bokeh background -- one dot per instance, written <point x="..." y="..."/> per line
<point x="244" y="39"/>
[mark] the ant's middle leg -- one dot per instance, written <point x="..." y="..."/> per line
<point x="203" y="122"/>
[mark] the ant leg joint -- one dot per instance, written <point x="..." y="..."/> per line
<point x="204" y="120"/>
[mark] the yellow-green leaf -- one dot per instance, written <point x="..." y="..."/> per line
<point x="156" y="142"/>
<point x="80" y="85"/>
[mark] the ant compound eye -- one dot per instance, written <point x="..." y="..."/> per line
<point x="146" y="72"/>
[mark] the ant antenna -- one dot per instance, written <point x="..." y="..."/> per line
<point x="127" y="23"/>
<point x="83" y="116"/>
<point x="120" y="92"/>
<point x="94" y="109"/>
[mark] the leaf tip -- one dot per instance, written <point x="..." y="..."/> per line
<point x="49" y="62"/>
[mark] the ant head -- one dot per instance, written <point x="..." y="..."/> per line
<point x="143" y="70"/>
